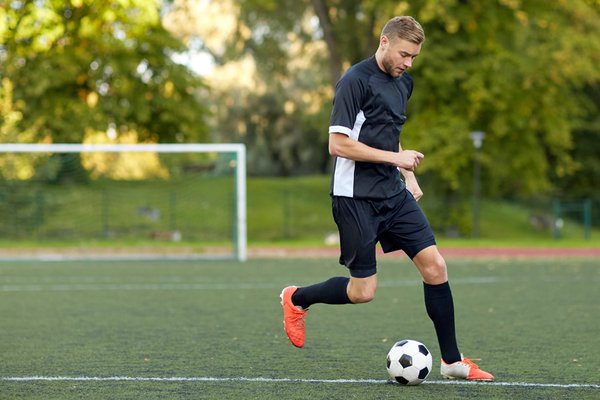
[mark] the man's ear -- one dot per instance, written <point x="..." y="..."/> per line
<point x="383" y="41"/>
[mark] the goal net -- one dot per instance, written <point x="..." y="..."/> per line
<point x="144" y="201"/>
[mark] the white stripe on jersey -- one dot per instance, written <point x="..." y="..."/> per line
<point x="343" y="179"/>
<point x="340" y="129"/>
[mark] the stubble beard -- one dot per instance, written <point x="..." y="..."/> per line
<point x="390" y="69"/>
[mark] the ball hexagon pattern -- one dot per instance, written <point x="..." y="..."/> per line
<point x="409" y="362"/>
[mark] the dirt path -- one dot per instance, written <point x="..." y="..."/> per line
<point x="466" y="252"/>
<point x="258" y="252"/>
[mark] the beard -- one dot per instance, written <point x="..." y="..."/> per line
<point x="389" y="67"/>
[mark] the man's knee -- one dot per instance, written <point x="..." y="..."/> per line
<point x="361" y="296"/>
<point x="432" y="266"/>
<point x="435" y="272"/>
<point x="362" y="290"/>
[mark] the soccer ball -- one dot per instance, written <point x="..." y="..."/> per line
<point x="409" y="362"/>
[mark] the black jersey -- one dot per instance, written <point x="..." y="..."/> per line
<point x="369" y="106"/>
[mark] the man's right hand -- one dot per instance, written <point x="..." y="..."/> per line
<point x="409" y="159"/>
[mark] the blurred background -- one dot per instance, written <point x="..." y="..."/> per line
<point x="506" y="108"/>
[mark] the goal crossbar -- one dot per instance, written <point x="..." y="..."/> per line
<point x="238" y="148"/>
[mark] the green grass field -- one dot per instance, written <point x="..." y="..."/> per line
<point x="168" y="328"/>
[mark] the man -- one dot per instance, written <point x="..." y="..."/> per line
<point x="371" y="203"/>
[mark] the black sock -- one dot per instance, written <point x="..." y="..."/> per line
<point x="332" y="291"/>
<point x="440" y="308"/>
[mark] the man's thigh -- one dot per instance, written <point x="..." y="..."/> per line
<point x="358" y="235"/>
<point x="407" y="228"/>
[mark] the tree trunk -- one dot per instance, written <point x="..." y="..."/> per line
<point x="335" y="59"/>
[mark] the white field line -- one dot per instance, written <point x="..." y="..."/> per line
<point x="281" y="380"/>
<point x="97" y="286"/>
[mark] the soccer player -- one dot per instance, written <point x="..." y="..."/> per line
<point x="372" y="203"/>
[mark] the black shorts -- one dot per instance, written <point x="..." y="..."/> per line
<point x="398" y="223"/>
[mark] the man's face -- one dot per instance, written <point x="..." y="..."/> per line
<point x="398" y="55"/>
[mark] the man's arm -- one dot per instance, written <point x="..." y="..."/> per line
<point x="341" y="145"/>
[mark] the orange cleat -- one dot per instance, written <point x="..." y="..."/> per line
<point x="293" y="317"/>
<point x="465" y="369"/>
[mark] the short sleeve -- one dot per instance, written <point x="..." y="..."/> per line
<point x="347" y="101"/>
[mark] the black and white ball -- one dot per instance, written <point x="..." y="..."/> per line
<point x="409" y="362"/>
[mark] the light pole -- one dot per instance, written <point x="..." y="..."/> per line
<point x="477" y="137"/>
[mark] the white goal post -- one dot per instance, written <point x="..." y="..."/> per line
<point x="240" y="234"/>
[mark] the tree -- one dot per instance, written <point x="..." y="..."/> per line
<point x="86" y="66"/>
<point x="503" y="69"/>
<point x="522" y="71"/>
<point x="270" y="83"/>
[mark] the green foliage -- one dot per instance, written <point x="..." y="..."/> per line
<point x="84" y="66"/>
<point x="509" y="69"/>
<point x="520" y="71"/>
<point x="525" y="72"/>
<point x="283" y="137"/>
<point x="9" y="117"/>
<point x="585" y="183"/>
<point x="281" y="117"/>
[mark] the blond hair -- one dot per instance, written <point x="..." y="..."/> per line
<point x="404" y="27"/>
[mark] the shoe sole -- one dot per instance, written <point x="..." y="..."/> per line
<point x="466" y="379"/>
<point x="281" y="302"/>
